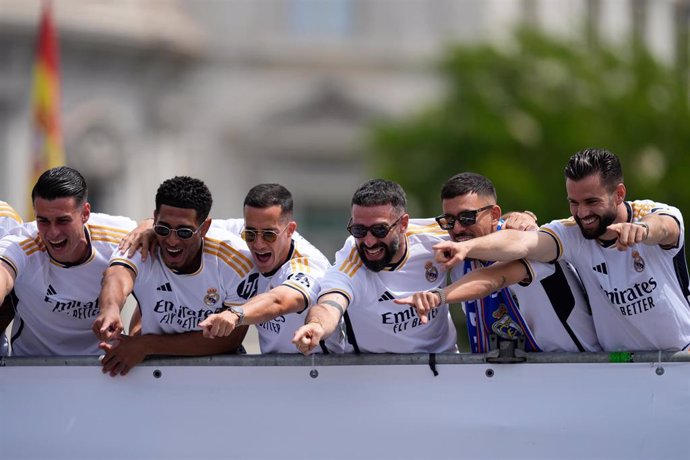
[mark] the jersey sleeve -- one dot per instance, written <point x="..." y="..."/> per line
<point x="644" y="207"/>
<point x="536" y="271"/>
<point x="562" y="231"/>
<point x="235" y="267"/>
<point x="15" y="250"/>
<point x="134" y="263"/>
<point x="304" y="275"/>
<point x="233" y="226"/>
<point x="340" y="277"/>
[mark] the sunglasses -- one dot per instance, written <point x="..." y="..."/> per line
<point x="268" y="236"/>
<point x="182" y="233"/>
<point x="466" y="218"/>
<point x="377" y="231"/>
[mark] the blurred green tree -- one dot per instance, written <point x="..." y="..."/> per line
<point x="517" y="116"/>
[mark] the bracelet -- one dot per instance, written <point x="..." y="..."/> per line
<point x="531" y="214"/>
<point x="441" y="294"/>
<point x="645" y="225"/>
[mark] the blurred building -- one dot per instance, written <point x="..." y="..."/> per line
<point x="239" y="92"/>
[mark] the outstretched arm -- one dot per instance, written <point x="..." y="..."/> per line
<point x="505" y="245"/>
<point x="128" y="351"/>
<point x="652" y="229"/>
<point x="117" y="284"/>
<point x="474" y="285"/>
<point x="278" y="301"/>
<point x="321" y="321"/>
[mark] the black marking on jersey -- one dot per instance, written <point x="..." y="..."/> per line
<point x="350" y="333"/>
<point x="562" y="300"/>
<point x="50" y="291"/>
<point x="164" y="287"/>
<point x="248" y="287"/>
<point x="680" y="266"/>
<point x="601" y="268"/>
<point x="386" y="296"/>
<point x="324" y="349"/>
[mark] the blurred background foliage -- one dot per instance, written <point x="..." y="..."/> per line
<point x="517" y="115"/>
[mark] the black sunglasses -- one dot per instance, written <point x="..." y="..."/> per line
<point x="377" y="231"/>
<point x="182" y="233"/>
<point x="466" y="218"/>
<point x="269" y="236"/>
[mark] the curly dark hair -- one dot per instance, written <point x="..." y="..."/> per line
<point x="187" y="193"/>
<point x="60" y="182"/>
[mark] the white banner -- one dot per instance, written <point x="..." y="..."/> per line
<point x="535" y="411"/>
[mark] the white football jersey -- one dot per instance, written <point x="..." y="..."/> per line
<point x="302" y="271"/>
<point x="639" y="297"/>
<point x="174" y="303"/>
<point x="374" y="323"/>
<point x="58" y="303"/>
<point x="9" y="219"/>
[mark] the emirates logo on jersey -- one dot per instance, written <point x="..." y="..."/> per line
<point x="211" y="297"/>
<point x="430" y="272"/>
<point x="638" y="261"/>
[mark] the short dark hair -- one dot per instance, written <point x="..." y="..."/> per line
<point x="187" y="193"/>
<point x="590" y="161"/>
<point x="378" y="192"/>
<point x="60" y="182"/>
<point x="266" y="195"/>
<point x="468" y="182"/>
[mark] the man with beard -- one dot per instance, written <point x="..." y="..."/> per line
<point x="546" y="309"/>
<point x="192" y="274"/>
<point x="387" y="257"/>
<point x="629" y="254"/>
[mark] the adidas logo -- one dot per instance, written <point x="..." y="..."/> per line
<point x="601" y="268"/>
<point x="164" y="287"/>
<point x="50" y="291"/>
<point x="386" y="296"/>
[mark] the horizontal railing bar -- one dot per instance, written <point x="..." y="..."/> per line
<point x="363" y="359"/>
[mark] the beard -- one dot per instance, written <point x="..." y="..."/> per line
<point x="388" y="254"/>
<point x="604" y="221"/>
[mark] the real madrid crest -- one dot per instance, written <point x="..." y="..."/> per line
<point x="430" y="272"/>
<point x="638" y="261"/>
<point x="212" y="297"/>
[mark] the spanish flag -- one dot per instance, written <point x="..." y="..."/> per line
<point x="47" y="148"/>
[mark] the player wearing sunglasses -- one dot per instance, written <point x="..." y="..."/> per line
<point x="291" y="269"/>
<point x="629" y="255"/>
<point x="545" y="305"/>
<point x="386" y="257"/>
<point x="193" y="273"/>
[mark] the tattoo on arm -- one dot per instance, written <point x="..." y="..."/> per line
<point x="336" y="305"/>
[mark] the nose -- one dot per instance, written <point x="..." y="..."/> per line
<point x="172" y="238"/>
<point x="457" y="226"/>
<point x="369" y="239"/>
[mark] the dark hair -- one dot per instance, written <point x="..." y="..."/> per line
<point x="266" y="195"/>
<point x="590" y="161"/>
<point x="468" y="182"/>
<point x="60" y="182"/>
<point x="187" y="193"/>
<point x="377" y="192"/>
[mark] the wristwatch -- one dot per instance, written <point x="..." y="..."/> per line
<point x="441" y="294"/>
<point x="239" y="311"/>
